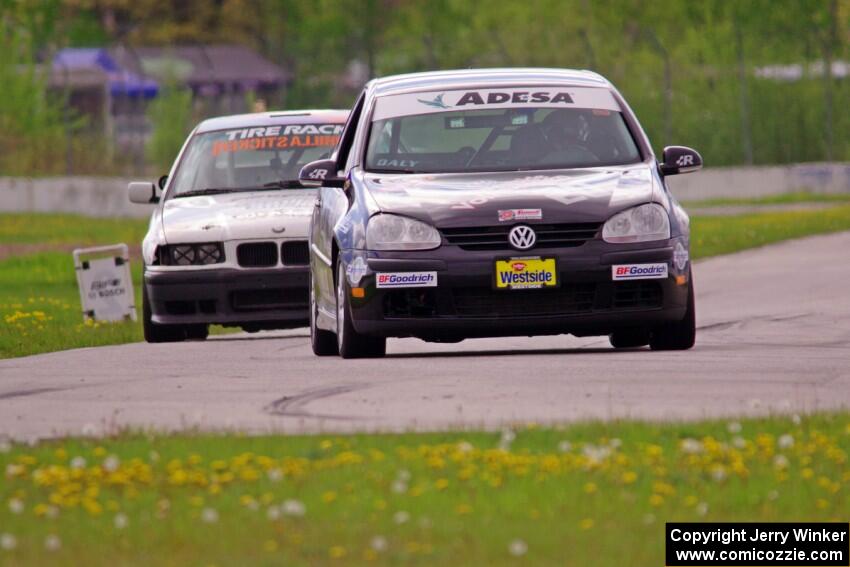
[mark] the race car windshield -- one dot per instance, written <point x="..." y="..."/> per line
<point x="449" y="136"/>
<point x="251" y="158"/>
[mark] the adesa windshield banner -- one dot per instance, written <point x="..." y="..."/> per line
<point x="393" y="106"/>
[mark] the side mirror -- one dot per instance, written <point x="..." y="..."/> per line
<point x="321" y="173"/>
<point x="142" y="192"/>
<point x="680" y="159"/>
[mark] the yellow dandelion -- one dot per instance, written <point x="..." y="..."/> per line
<point x="586" y="524"/>
<point x="590" y="487"/>
<point x="337" y="552"/>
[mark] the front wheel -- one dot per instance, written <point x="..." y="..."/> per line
<point x="350" y="343"/>
<point x="154" y="332"/>
<point x="323" y="342"/>
<point x="680" y="335"/>
<point x="198" y="332"/>
<point x="631" y="338"/>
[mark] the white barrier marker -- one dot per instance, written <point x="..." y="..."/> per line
<point x="106" y="288"/>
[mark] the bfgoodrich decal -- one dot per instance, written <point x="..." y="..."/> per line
<point x="405" y="279"/>
<point x="639" y="271"/>
<point x="472" y="99"/>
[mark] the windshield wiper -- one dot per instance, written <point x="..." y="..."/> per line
<point x="283" y="184"/>
<point x="207" y="191"/>
<point x="392" y="171"/>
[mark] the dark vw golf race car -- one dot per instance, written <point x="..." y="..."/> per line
<point x="496" y="203"/>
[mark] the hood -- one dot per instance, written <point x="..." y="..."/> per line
<point x="468" y="199"/>
<point x="238" y="216"/>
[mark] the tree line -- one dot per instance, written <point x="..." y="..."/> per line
<point x="745" y="81"/>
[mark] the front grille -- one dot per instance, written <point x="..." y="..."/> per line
<point x="180" y="307"/>
<point x="295" y="253"/>
<point x="564" y="235"/>
<point x="483" y="301"/>
<point x="487" y="302"/>
<point x="199" y="254"/>
<point x="257" y="254"/>
<point x="256" y="299"/>
<point x="637" y="295"/>
<point x="203" y="306"/>
<point x="407" y="303"/>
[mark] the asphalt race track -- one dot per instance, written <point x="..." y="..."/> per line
<point x="774" y="338"/>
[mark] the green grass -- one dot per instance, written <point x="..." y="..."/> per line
<point x="781" y="199"/>
<point x="40" y="308"/>
<point x="39" y="301"/>
<point x="711" y="236"/>
<point x="587" y="494"/>
<point x="35" y="228"/>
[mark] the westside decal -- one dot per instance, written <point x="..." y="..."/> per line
<point x="592" y="98"/>
<point x="639" y="271"/>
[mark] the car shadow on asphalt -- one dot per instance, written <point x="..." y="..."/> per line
<point x="532" y="352"/>
<point x="257" y="337"/>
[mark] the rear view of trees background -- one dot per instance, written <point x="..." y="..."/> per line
<point x="692" y="71"/>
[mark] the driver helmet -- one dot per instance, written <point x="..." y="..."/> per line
<point x="565" y="127"/>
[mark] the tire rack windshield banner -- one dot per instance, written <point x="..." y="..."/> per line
<point x="278" y="137"/>
<point x="393" y="106"/>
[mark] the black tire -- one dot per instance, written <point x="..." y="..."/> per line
<point x="323" y="342"/>
<point x="682" y="334"/>
<point x="350" y="343"/>
<point x="155" y="333"/>
<point x="198" y="332"/>
<point x="631" y="338"/>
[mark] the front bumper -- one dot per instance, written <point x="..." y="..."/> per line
<point x="264" y="298"/>
<point x="464" y="304"/>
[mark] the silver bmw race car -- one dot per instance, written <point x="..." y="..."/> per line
<point x="227" y="243"/>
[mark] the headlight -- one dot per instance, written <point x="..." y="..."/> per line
<point x="191" y="254"/>
<point x="393" y="232"/>
<point x="639" y="224"/>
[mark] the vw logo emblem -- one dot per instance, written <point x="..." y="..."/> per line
<point x="522" y="237"/>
